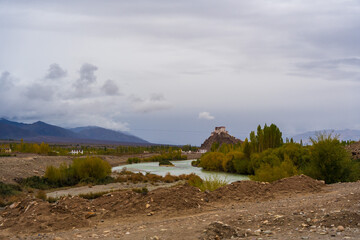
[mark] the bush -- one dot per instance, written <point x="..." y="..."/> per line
<point x="210" y="183"/>
<point x="330" y="161"/>
<point x="36" y="182"/>
<point x="41" y="195"/>
<point x="165" y="162"/>
<point x="169" y="179"/>
<point x="92" y="195"/>
<point x="133" y="160"/>
<point x="268" y="173"/>
<point x="143" y="191"/>
<point x="9" y="189"/>
<point x="91" y="167"/>
<point x="212" y="161"/>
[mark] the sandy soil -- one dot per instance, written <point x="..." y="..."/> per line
<point x="293" y="208"/>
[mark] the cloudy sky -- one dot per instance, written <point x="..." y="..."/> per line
<point x="170" y="71"/>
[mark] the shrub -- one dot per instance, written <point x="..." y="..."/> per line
<point x="91" y="167"/>
<point x="269" y="173"/>
<point x="210" y="183"/>
<point x="9" y="189"/>
<point x="143" y="191"/>
<point x="52" y="199"/>
<point x="195" y="163"/>
<point x="165" y="162"/>
<point x="212" y="161"/>
<point x="41" y="195"/>
<point x="239" y="162"/>
<point x="92" y="195"/>
<point x="36" y="182"/>
<point x="329" y="160"/>
<point x="168" y="178"/>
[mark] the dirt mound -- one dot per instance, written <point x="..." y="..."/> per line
<point x="34" y="215"/>
<point x="250" y="190"/>
<point x="40" y="216"/>
<point x="163" y="199"/>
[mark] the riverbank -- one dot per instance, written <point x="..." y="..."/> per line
<point x="27" y="165"/>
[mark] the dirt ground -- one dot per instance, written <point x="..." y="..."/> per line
<point x="294" y="208"/>
<point x="27" y="165"/>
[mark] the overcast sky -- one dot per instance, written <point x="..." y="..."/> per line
<point x="170" y="71"/>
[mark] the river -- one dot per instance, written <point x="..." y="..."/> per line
<point x="181" y="167"/>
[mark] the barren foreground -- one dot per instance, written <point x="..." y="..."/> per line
<point x="294" y="208"/>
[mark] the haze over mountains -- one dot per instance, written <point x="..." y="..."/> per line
<point x="41" y="131"/>
<point x="345" y="135"/>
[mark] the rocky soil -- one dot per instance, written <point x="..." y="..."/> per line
<point x="293" y="208"/>
<point x="354" y="149"/>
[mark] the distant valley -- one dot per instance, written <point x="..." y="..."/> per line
<point x="43" y="132"/>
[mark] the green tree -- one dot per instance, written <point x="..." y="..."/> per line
<point x="329" y="161"/>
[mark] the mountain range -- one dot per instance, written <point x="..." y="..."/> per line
<point x="43" y="132"/>
<point x="346" y="134"/>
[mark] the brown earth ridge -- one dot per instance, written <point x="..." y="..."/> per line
<point x="298" y="207"/>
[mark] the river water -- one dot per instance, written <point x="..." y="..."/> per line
<point x="181" y="167"/>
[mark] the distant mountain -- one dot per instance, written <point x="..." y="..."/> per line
<point x="345" y="135"/>
<point x="40" y="131"/>
<point x="98" y="133"/>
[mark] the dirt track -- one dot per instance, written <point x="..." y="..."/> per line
<point x="294" y="208"/>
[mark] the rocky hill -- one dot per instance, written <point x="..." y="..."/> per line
<point x="221" y="136"/>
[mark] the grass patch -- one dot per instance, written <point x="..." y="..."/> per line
<point x="209" y="183"/>
<point x="143" y="190"/>
<point x="92" y="195"/>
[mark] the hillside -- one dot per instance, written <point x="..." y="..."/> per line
<point x="98" y="133"/>
<point x="43" y="132"/>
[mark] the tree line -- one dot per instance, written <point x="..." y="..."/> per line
<point x="267" y="158"/>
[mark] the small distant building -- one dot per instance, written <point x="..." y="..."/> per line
<point x="76" y="152"/>
<point x="202" y="150"/>
<point x="219" y="130"/>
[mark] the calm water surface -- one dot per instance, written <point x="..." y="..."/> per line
<point x="181" y="167"/>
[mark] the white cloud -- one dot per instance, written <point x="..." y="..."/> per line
<point x="206" y="115"/>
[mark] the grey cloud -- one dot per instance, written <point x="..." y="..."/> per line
<point x="39" y="92"/>
<point x="55" y="72"/>
<point x="110" y="88"/>
<point x="156" y="102"/>
<point x="87" y="76"/>
<point x="6" y="81"/>
<point x="157" y="97"/>
<point x="333" y="69"/>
